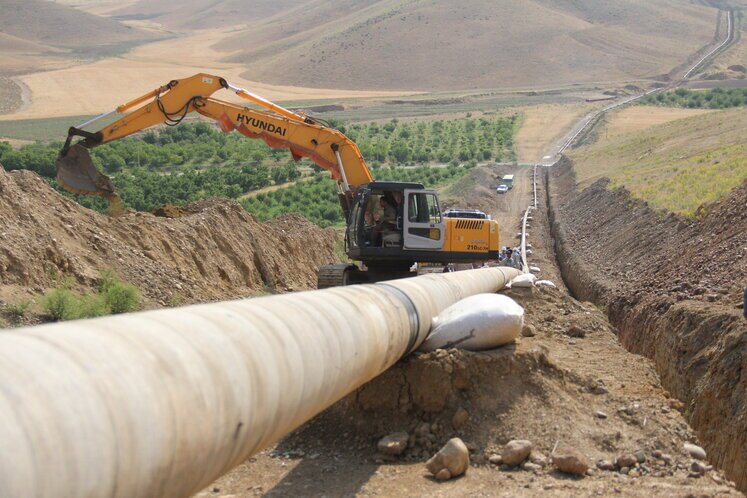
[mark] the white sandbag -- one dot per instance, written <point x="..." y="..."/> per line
<point x="534" y="269"/>
<point x="523" y="280"/>
<point x="482" y="321"/>
<point x="547" y="283"/>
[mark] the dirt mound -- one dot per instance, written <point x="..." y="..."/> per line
<point x="213" y="250"/>
<point x="548" y="389"/>
<point x="672" y="285"/>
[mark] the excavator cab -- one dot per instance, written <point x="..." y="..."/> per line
<point x="389" y="249"/>
<point x="420" y="234"/>
<point x="417" y="226"/>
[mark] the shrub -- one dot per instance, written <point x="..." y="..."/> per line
<point x="114" y="296"/>
<point x="93" y="305"/>
<point x="19" y="309"/>
<point x="118" y="296"/>
<point x="61" y="304"/>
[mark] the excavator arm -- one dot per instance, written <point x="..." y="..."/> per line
<point x="276" y="126"/>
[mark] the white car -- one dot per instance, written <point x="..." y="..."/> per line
<point x="501" y="189"/>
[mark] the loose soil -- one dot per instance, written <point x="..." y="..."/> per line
<point x="206" y="251"/>
<point x="673" y="287"/>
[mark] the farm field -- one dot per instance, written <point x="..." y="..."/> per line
<point x="195" y="160"/>
<point x="99" y="86"/>
<point x="541" y="126"/>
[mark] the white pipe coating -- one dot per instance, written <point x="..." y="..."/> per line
<point x="162" y="403"/>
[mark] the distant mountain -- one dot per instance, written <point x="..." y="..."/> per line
<point x="444" y="44"/>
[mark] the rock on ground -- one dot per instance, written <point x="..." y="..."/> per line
<point x="393" y="444"/>
<point x="516" y="451"/>
<point x="453" y="458"/>
<point x="460" y="418"/>
<point x="570" y="461"/>
<point x="626" y="460"/>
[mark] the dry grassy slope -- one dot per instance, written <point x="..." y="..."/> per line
<point x="675" y="166"/>
<point x="48" y="23"/>
<point x="440" y="44"/>
<point x="201" y="14"/>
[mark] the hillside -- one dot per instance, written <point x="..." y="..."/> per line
<point x="52" y="24"/>
<point x="201" y="14"/>
<point x="440" y="45"/>
<point x="675" y="166"/>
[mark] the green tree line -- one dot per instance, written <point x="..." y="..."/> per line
<point x="717" y="98"/>
<point x="192" y="161"/>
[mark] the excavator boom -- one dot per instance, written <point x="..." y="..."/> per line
<point x="278" y="127"/>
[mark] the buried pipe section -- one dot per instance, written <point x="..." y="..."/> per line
<point x="162" y="403"/>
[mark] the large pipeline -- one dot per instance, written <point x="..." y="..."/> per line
<point x="162" y="403"/>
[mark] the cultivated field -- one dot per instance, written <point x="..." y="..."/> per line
<point x="542" y="126"/>
<point x="675" y="166"/>
<point x="102" y="85"/>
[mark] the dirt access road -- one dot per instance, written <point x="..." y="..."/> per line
<point x="509" y="207"/>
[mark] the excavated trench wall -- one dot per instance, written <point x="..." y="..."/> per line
<point x="671" y="287"/>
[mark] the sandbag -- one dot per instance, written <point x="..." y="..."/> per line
<point x="482" y="321"/>
<point x="523" y="280"/>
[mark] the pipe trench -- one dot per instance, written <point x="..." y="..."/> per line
<point x="162" y="403"/>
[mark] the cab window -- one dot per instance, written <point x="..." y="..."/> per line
<point x="423" y="208"/>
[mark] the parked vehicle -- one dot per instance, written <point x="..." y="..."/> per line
<point x="501" y="189"/>
<point x="508" y="181"/>
<point x="475" y="214"/>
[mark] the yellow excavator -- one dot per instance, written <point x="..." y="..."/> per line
<point x="410" y="227"/>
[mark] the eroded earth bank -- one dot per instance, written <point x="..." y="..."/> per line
<point x="673" y="289"/>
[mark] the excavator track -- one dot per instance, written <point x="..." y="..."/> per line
<point x="336" y="275"/>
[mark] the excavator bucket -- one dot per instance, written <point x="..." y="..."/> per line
<point x="76" y="173"/>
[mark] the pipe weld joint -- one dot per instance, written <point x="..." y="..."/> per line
<point x="412" y="314"/>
